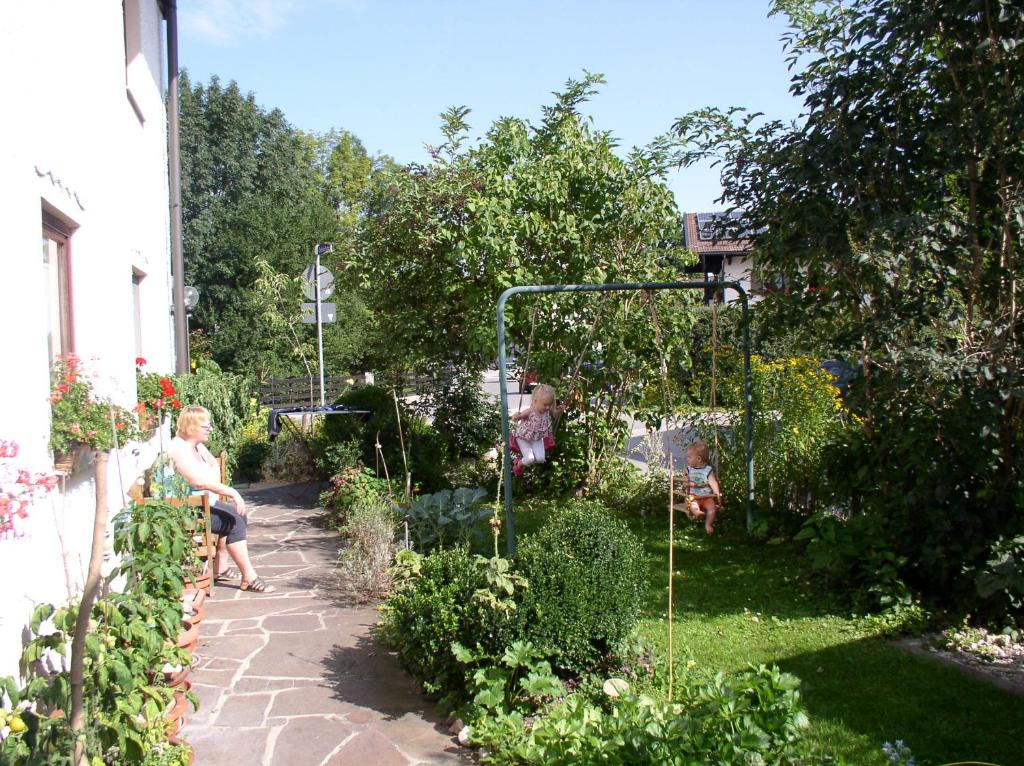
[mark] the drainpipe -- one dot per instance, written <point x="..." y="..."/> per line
<point x="174" y="171"/>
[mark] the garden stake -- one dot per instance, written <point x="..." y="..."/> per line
<point x="401" y="443"/>
<point x="671" y="562"/>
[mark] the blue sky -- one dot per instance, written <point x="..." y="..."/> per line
<point x="385" y="69"/>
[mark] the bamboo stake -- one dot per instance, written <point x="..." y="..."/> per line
<point x="401" y="443"/>
<point x="671" y="563"/>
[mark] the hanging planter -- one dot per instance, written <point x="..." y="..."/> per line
<point x="149" y="422"/>
<point x="64" y="459"/>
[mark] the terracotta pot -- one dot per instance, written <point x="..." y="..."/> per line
<point x="177" y="679"/>
<point x="192" y="595"/>
<point x="202" y="581"/>
<point x="175" y="713"/>
<point x="188" y="637"/>
<point x="198" y="613"/>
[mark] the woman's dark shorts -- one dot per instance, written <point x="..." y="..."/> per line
<point x="225" y="521"/>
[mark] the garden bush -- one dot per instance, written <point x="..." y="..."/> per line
<point x="797" y="415"/>
<point x="440" y="600"/>
<point x="424" y="447"/>
<point x="350" y="487"/>
<point x="227" y="396"/>
<point x="936" y="467"/>
<point x="365" y="561"/>
<point x="587" y="573"/>
<point x="467" y="419"/>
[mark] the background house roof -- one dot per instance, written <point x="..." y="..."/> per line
<point x="698" y="236"/>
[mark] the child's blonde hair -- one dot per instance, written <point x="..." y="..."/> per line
<point x="544" y="393"/>
<point x="700" y="449"/>
<point x="190" y="418"/>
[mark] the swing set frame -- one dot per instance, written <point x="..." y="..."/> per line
<point x="714" y="287"/>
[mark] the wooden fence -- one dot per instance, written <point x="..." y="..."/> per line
<point x="299" y="392"/>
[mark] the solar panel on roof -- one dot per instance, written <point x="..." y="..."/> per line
<point x="723" y="227"/>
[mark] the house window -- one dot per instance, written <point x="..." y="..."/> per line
<point x="137" y="306"/>
<point x="132" y="15"/>
<point x="57" y="275"/>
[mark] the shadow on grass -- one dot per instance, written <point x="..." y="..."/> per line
<point x="876" y="689"/>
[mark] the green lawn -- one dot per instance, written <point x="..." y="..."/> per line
<point x="739" y="602"/>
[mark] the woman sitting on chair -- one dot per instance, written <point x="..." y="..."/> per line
<point x="202" y="471"/>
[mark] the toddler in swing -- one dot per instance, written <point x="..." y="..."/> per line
<point x="703" y="495"/>
<point x="534" y="432"/>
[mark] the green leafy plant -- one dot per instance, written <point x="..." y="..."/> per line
<point x="857" y="556"/>
<point x="520" y="679"/>
<point x="435" y="604"/>
<point x="755" y="717"/>
<point x="156" y="542"/>
<point x="447" y="518"/>
<point x="77" y="416"/>
<point x="1002" y="576"/>
<point x="424" y="448"/>
<point x="350" y="487"/>
<point x="586" y="572"/>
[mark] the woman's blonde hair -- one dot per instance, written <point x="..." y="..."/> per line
<point x="190" y="418"/>
<point x="701" y="450"/>
<point x="545" y="393"/>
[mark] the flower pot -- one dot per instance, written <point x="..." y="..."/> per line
<point x="176" y="676"/>
<point x="201" y="581"/>
<point x="148" y="421"/>
<point x="195" y="616"/>
<point x="64" y="460"/>
<point x="175" y="713"/>
<point x="188" y="638"/>
<point x="192" y="597"/>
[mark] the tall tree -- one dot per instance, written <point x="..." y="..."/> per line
<point x="530" y="204"/>
<point x="894" y="210"/>
<point x="251" y="192"/>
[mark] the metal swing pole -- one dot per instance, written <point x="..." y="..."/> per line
<point x="622" y="286"/>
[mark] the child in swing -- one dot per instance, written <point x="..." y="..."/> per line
<point x="703" y="495"/>
<point x="534" y="432"/>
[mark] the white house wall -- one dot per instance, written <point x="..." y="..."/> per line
<point x="737" y="269"/>
<point x="84" y="137"/>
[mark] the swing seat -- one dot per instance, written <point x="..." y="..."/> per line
<point x="549" y="443"/>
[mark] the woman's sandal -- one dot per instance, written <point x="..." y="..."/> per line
<point x="231" y="573"/>
<point x="257" y="586"/>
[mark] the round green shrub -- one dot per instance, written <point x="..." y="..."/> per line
<point x="586" y="573"/>
<point x="424" y="617"/>
<point x="424" y="447"/>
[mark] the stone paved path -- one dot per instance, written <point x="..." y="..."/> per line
<point x="296" y="677"/>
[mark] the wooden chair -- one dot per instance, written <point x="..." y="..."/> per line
<point x="206" y="541"/>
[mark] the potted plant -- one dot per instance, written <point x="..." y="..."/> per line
<point x="78" y="418"/>
<point x="156" y="395"/>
